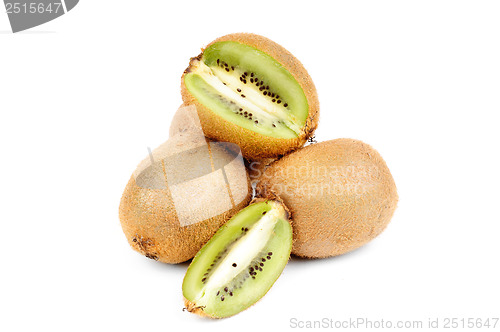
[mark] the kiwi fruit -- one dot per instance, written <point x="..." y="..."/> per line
<point x="252" y="92"/>
<point x="340" y="194"/>
<point x="180" y="195"/>
<point x="256" y="168"/>
<point x="241" y="261"/>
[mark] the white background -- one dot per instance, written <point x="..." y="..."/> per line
<point x="84" y="96"/>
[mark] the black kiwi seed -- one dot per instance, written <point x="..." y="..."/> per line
<point x="261" y="88"/>
<point x="251" y="75"/>
<point x="256" y="121"/>
<point x="251" y="269"/>
<point x="251" y="80"/>
<point x="203" y="280"/>
<point x="218" y="292"/>
<point x="234" y="265"/>
<point x="243" y="96"/>
<point x="222" y="298"/>
<point x="239" y="90"/>
<point x="268" y="257"/>
<point x="270" y="253"/>
<point x="218" y="61"/>
<point x="274" y="125"/>
<point x="279" y="101"/>
<point x="225" y="289"/>
<point x="256" y="79"/>
<point x="273" y="100"/>
<point x="227" y="69"/>
<point x="263" y="259"/>
<point x="263" y="213"/>
<point x="260" y="269"/>
<point x="232" y="67"/>
<point x="256" y="267"/>
<point x="265" y="93"/>
<point x="230" y="293"/>
<point x="261" y="264"/>
<point x="285" y="104"/>
<point x="245" y="73"/>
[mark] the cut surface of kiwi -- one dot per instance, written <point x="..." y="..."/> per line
<point x="249" y="88"/>
<point x="240" y="263"/>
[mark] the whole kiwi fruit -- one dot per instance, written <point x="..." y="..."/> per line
<point x="250" y="91"/>
<point x="180" y="195"/>
<point x="340" y="193"/>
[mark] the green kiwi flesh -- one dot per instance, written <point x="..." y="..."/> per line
<point x="240" y="263"/>
<point x="248" y="88"/>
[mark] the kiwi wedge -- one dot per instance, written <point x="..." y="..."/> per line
<point x="241" y="261"/>
<point x="250" y="91"/>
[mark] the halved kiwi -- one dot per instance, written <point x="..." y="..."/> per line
<point x="250" y="91"/>
<point x="241" y="261"/>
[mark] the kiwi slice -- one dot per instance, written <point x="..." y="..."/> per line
<point x="240" y="263"/>
<point x="252" y="92"/>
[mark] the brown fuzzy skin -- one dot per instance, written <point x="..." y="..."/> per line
<point x="193" y="308"/>
<point x="256" y="168"/>
<point x="149" y="219"/>
<point x="341" y="195"/>
<point x="254" y="145"/>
